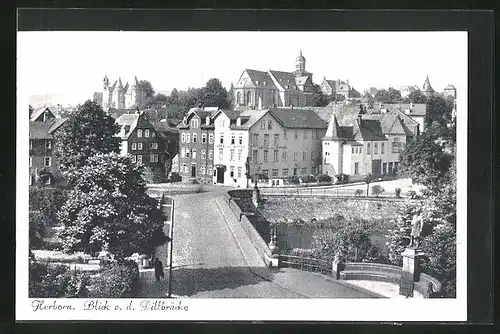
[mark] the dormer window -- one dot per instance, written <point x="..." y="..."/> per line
<point x="194" y="123"/>
<point x="126" y="128"/>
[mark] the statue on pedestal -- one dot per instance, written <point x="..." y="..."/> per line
<point x="417" y="225"/>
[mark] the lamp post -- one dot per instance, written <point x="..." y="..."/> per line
<point x="168" y="205"/>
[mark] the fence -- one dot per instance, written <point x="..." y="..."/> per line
<point x="324" y="191"/>
<point x="306" y="263"/>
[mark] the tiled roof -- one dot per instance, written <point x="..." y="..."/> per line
<point x="129" y="120"/>
<point x="298" y="119"/>
<point x="116" y="113"/>
<point x="333" y="132"/>
<point x="249" y="118"/>
<point x="44" y="130"/>
<point x="301" y="80"/>
<point x="259" y="77"/>
<point x="163" y="127"/>
<point x="38" y="112"/>
<point x="284" y="79"/>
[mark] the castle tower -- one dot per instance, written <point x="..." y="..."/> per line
<point x="300" y="65"/>
<point x="106" y="95"/>
<point x="428" y="91"/>
<point x="332" y="148"/>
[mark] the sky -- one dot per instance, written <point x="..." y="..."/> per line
<point x="71" y="65"/>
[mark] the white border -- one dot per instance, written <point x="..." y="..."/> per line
<point x="254" y="309"/>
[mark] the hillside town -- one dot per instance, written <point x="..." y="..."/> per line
<point x="278" y="151"/>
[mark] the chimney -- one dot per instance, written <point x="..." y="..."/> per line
<point x="238" y="121"/>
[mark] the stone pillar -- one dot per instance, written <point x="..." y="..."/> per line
<point x="275" y="250"/>
<point x="336" y="268"/>
<point x="411" y="262"/>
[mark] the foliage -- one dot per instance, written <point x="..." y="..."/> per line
<point x="146" y="87"/>
<point x="377" y="190"/>
<point x="358" y="192"/>
<point x="47" y="201"/>
<point x="397" y="191"/>
<point x="324" y="178"/>
<point x="37" y="229"/>
<point x="108" y="209"/>
<point x="308" y="179"/>
<point x="425" y="162"/>
<point x="214" y="95"/>
<point x="48" y="281"/>
<point x="341" y="178"/>
<point x="318" y="98"/>
<point x="416" y="96"/>
<point x="153" y="174"/>
<point x="175" y="177"/>
<point x="292" y="179"/>
<point x="86" y="132"/>
<point x="117" y="280"/>
<point x="438" y="112"/>
<point x="368" y="179"/>
<point x="351" y="242"/>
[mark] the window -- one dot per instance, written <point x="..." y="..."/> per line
<point x="396" y="166"/>
<point x="153" y="158"/>
<point x="390" y="167"/>
<point x="240" y="140"/>
<point x="183" y="152"/>
<point x="146" y="133"/>
<point x="276" y="155"/>
<point x="202" y="169"/>
<point x="153" y="134"/>
<point x="133" y="158"/>
<point x="352" y="150"/>
<point x="48" y="144"/>
<point x="274" y="173"/>
<point x="381" y="148"/>
<point x="375" y="148"/>
<point x="221" y="154"/>
<point x="211" y="138"/>
<point x="30" y="180"/>
<point x="313" y="156"/>
<point x="210" y="154"/>
<point x="31" y="161"/>
<point x="284" y="172"/>
<point x="203" y="153"/>
<point x="316" y="133"/>
<point x="294" y="156"/>
<point x="356" y="168"/>
<point x="303" y="170"/>
<point x="276" y="140"/>
<point x="194" y="123"/>
<point x="183" y="138"/>
<point x="368" y="149"/>
<point x="139" y="146"/>
<point x="187" y="152"/>
<point x="283" y="156"/>
<point x="305" y="134"/>
<point x="304" y="156"/>
<point x="396" y="145"/>
<point x="233" y="139"/>
<point x="360" y="149"/>
<point x="255" y="139"/>
<point x="296" y="134"/>
<point x="48" y="180"/>
<point x="284" y="134"/>
<point x="265" y="172"/>
<point x="188" y="138"/>
<point x="255" y="156"/>
<point x="266" y="140"/>
<point x="231" y="154"/>
<point x="240" y="153"/>
<point x="266" y="153"/>
<point x="209" y="170"/>
<point x="222" y="123"/>
<point x="313" y="170"/>
<point x="231" y="171"/>
<point x="139" y="159"/>
<point x="203" y="138"/>
<point x="193" y="152"/>
<point x="221" y="138"/>
<point x="153" y="146"/>
<point x="195" y="137"/>
<point x="139" y="133"/>
<point x="31" y="144"/>
<point x="48" y="161"/>
<point x="263" y="125"/>
<point x="240" y="169"/>
<point x="184" y="168"/>
<point x="384" y="168"/>
<point x="270" y="125"/>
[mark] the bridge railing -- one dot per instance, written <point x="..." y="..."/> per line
<point x="306" y="263"/>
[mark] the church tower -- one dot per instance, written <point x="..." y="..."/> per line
<point x="106" y="94"/>
<point x="428" y="91"/>
<point x="300" y="65"/>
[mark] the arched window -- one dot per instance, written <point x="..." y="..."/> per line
<point x="238" y="97"/>
<point x="248" y="98"/>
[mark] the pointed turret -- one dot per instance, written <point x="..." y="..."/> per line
<point x="428" y="91"/>
<point x="333" y="132"/>
<point x="120" y="85"/>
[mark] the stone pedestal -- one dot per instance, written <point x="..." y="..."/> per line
<point x="411" y="262"/>
<point x="256" y="196"/>
<point x="336" y="269"/>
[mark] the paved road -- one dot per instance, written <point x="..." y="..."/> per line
<point x="212" y="259"/>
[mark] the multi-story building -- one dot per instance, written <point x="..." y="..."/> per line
<point x="364" y="143"/>
<point x="277" y="143"/>
<point x="450" y="90"/>
<point x="275" y="88"/>
<point x="196" y="146"/>
<point x="336" y="87"/>
<point x="148" y="141"/>
<point x="43" y="164"/>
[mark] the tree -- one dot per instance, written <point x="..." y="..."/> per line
<point x="231" y="96"/>
<point x="214" y="95"/>
<point x="368" y="179"/>
<point x="416" y="96"/>
<point x="438" y="110"/>
<point x="318" y="98"/>
<point x="146" y="87"/>
<point x="382" y="96"/>
<point x="108" y="209"/>
<point x="425" y="162"/>
<point x="86" y="132"/>
<point x="394" y="95"/>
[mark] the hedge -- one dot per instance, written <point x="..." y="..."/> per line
<point x="117" y="280"/>
<point x="56" y="281"/>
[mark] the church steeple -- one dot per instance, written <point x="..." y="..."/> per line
<point x="427" y="88"/>
<point x="300" y="63"/>
<point x="333" y="132"/>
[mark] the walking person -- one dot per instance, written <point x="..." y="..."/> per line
<point x="158" y="269"/>
<point x="162" y="273"/>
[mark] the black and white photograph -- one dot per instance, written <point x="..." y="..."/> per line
<point x="169" y="175"/>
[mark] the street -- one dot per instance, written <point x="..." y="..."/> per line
<point x="212" y="258"/>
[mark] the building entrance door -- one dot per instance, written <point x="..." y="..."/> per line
<point x="376" y="167"/>
<point x="193" y="171"/>
<point x="220" y="175"/>
<point x="295" y="171"/>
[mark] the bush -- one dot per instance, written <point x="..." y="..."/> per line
<point x="377" y="190"/>
<point x="324" y="178"/>
<point x="412" y="194"/>
<point x="341" y="178"/>
<point x="240" y="193"/>
<point x="117" y="280"/>
<point x="47" y="281"/>
<point x="308" y="179"/>
<point x="154" y="175"/>
<point x="292" y="179"/>
<point x="358" y="192"/>
<point x="37" y="229"/>
<point x="397" y="191"/>
<point x="47" y="201"/>
<point x="175" y="177"/>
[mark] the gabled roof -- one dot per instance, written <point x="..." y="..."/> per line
<point x="449" y="87"/>
<point x="300" y="81"/>
<point x="35" y="114"/>
<point x="333" y="132"/>
<point x="127" y="120"/>
<point x="369" y="130"/>
<point x="284" y="79"/>
<point x="259" y="77"/>
<point x="45" y="130"/>
<point x="298" y="118"/>
<point x="249" y="118"/>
